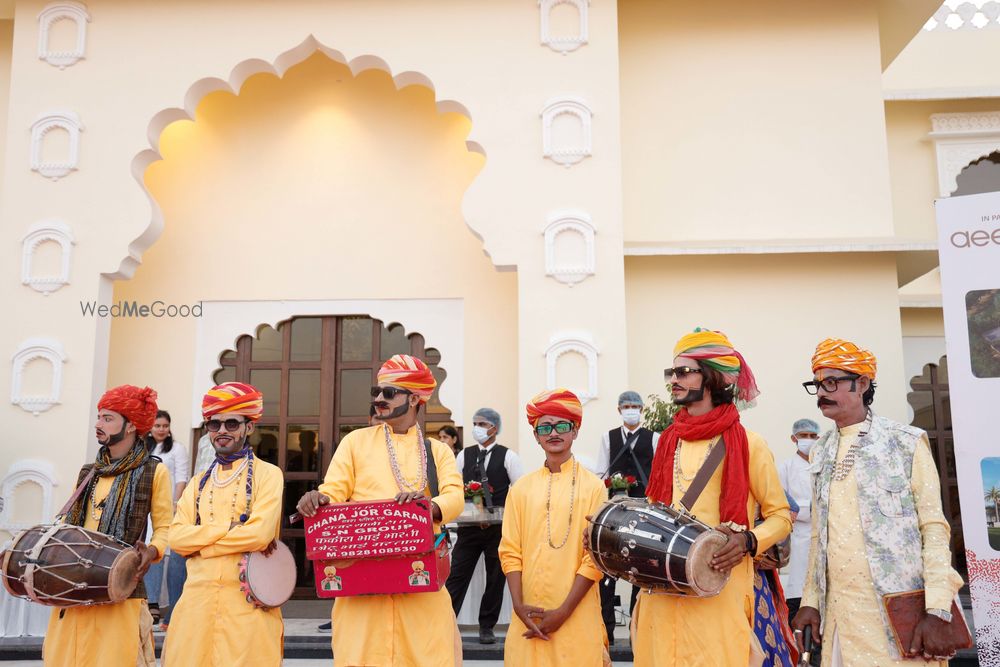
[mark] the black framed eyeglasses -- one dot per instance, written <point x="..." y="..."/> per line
<point x="388" y="393"/>
<point x="232" y="425"/>
<point x="559" y="427"/>
<point x="680" y="372"/>
<point x="830" y="383"/>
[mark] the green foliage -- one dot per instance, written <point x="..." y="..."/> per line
<point x="658" y="413"/>
<point x="983" y="311"/>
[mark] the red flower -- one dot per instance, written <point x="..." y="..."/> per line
<point x="630" y="479"/>
<point x="607" y="483"/>
<point x="475" y="486"/>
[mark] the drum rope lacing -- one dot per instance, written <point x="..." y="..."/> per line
<point x="843" y="467"/>
<point x="402" y="482"/>
<point x="678" y="475"/>
<point x="548" y="506"/>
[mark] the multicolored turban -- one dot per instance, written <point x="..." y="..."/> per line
<point x="233" y="398"/>
<point x="846" y="356"/>
<point x="713" y="349"/>
<point x="410" y="373"/>
<point x="557" y="403"/>
<point x="134" y="404"/>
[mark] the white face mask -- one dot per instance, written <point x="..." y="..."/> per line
<point x="805" y="445"/>
<point x="480" y="434"/>
<point x="631" y="416"/>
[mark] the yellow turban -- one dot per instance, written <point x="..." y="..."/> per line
<point x="714" y="349"/>
<point x="846" y="356"/>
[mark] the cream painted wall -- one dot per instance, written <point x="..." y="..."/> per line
<point x="775" y="310"/>
<point x="913" y="164"/>
<point x="318" y="185"/>
<point x="6" y="52"/>
<point x="745" y="120"/>
<point x="953" y="63"/>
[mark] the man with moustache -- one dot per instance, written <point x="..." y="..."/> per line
<point x="877" y="524"/>
<point x="708" y="377"/>
<point x="125" y="486"/>
<point x="233" y="508"/>
<point x="390" y="460"/>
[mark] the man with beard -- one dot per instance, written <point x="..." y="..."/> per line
<point x="877" y="524"/>
<point x="391" y="460"/>
<point x="232" y="508"/>
<point x="127" y="487"/>
<point x="707" y="378"/>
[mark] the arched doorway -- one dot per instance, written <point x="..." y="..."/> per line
<point x="315" y="373"/>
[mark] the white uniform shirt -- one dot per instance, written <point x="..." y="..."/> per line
<point x="511" y="463"/>
<point x="798" y="483"/>
<point x="604" y="452"/>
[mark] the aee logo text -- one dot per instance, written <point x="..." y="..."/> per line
<point x="976" y="237"/>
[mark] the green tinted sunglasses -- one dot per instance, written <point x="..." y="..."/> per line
<point x="559" y="427"/>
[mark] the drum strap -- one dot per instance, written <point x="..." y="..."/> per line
<point x="704" y="474"/>
<point x="76" y="494"/>
<point x="432" y="470"/>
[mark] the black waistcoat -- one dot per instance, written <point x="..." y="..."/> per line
<point x="496" y="474"/>
<point x="622" y="462"/>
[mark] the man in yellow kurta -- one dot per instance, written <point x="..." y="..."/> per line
<point x="127" y="488"/>
<point x="877" y="524"/>
<point x="709" y="375"/>
<point x="551" y="577"/>
<point x="233" y="508"/>
<point x="385" y="461"/>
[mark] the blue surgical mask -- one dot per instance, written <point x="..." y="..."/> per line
<point x="480" y="434"/>
<point x="631" y="416"/>
<point x="805" y="445"/>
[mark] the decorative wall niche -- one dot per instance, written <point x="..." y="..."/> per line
<point x="567" y="262"/>
<point x="59" y="167"/>
<point x="572" y="342"/>
<point x="559" y="147"/>
<point x="46" y="349"/>
<point x="52" y="14"/>
<point x="959" y="139"/>
<point x="26" y="471"/>
<point x="48" y="230"/>
<point x="564" y="43"/>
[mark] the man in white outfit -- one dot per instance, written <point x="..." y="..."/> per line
<point x="797" y="482"/>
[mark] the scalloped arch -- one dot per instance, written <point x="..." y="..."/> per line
<point x="233" y="84"/>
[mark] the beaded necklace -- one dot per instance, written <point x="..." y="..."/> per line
<point x="548" y="507"/>
<point x="403" y="483"/>
<point x="246" y="453"/>
<point x="843" y="467"/>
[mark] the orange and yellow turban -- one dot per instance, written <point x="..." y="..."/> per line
<point x="410" y="373"/>
<point x="134" y="404"/>
<point x="713" y="349"/>
<point x="846" y="356"/>
<point x="557" y="403"/>
<point x="233" y="398"/>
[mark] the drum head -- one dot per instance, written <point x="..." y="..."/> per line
<point x="271" y="579"/>
<point x="121" y="578"/>
<point x="705" y="581"/>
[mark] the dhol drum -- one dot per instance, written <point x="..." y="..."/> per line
<point x="656" y="547"/>
<point x="268" y="581"/>
<point x="68" y="566"/>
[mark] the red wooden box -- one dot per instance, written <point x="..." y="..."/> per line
<point x="376" y="548"/>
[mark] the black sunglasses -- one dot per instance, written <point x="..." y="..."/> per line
<point x="232" y="425"/>
<point x="389" y="392"/>
<point x="559" y="427"/>
<point x="680" y="372"/>
<point x="830" y="384"/>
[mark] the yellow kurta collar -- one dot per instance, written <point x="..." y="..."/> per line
<point x="567" y="466"/>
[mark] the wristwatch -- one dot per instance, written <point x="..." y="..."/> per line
<point x="941" y="613"/>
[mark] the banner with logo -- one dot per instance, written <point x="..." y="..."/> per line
<point x="969" y="247"/>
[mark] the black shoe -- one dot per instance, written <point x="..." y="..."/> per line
<point x="326" y="627"/>
<point x="486" y="636"/>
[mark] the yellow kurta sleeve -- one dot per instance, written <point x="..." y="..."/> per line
<point x="510" y="540"/>
<point x="766" y="488"/>
<point x="161" y="510"/>
<point x="451" y="490"/>
<point x="338" y="484"/>
<point x="590" y="505"/>
<point x="265" y="516"/>
<point x="941" y="582"/>
<point x="185" y="537"/>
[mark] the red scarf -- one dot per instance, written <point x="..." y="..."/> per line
<point x="724" y="419"/>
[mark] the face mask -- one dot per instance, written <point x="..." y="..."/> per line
<point x="805" y="444"/>
<point x="480" y="434"/>
<point x="631" y="416"/>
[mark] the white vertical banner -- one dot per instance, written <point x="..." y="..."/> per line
<point x="969" y="248"/>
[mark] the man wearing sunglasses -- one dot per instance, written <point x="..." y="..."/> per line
<point x="233" y="508"/>
<point x="393" y="460"/>
<point x="708" y="377"/>
<point x="877" y="522"/>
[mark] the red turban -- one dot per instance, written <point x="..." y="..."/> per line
<point x="409" y="373"/>
<point x="556" y="403"/>
<point x="134" y="404"/>
<point x="233" y="398"/>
